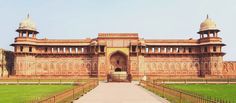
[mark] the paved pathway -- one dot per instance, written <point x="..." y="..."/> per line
<point x="120" y="93"/>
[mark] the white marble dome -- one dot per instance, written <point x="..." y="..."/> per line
<point x="208" y="24"/>
<point x="27" y="24"/>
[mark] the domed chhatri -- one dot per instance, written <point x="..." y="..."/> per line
<point x="208" y="24"/>
<point x="27" y="24"/>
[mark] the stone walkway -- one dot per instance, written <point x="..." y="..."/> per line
<point x="120" y="93"/>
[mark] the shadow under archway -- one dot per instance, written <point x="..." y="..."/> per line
<point x="118" y="61"/>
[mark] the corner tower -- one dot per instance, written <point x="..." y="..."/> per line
<point x="24" y="47"/>
<point x="211" y="55"/>
<point x="27" y="36"/>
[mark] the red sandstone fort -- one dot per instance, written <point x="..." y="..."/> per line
<point x="119" y="52"/>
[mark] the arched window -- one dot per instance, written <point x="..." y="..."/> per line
<point x="154" y="66"/>
<point x="70" y="66"/>
<point x="88" y="67"/>
<point x="52" y="66"/>
<point x="95" y="66"/>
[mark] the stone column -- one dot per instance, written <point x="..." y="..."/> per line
<point x="187" y="50"/>
<point x="54" y="50"/>
<point x="141" y="49"/>
<point x="27" y="34"/>
<point x="94" y="49"/>
<point x="79" y="50"/>
<point x="208" y="34"/>
<point x="61" y="50"/>
<point x="130" y="49"/>
<point x="167" y="49"/>
<point x="20" y="34"/>
<point x="99" y="49"/>
<point x="67" y="49"/>
<point x="162" y="49"/>
<point x="149" y="49"/>
<point x="174" y="50"/>
<point x="155" y="49"/>
<point x="73" y="50"/>
<point x="49" y="49"/>
<point x="181" y="49"/>
<point x="85" y="49"/>
<point x="32" y="34"/>
<point x="136" y="48"/>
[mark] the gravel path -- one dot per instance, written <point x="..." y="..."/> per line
<point x="120" y="93"/>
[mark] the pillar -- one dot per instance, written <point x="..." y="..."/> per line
<point x="155" y="49"/>
<point x="174" y="50"/>
<point x="94" y="48"/>
<point x="50" y="49"/>
<point x="130" y="49"/>
<point x="208" y="34"/>
<point x="181" y="49"/>
<point x="149" y="49"/>
<point x="20" y="34"/>
<point x="167" y="49"/>
<point x="33" y="35"/>
<point x="67" y="49"/>
<point x="27" y="34"/>
<point x="99" y="49"/>
<point x="73" y="50"/>
<point x="162" y="49"/>
<point x="136" y="48"/>
<point x="60" y="49"/>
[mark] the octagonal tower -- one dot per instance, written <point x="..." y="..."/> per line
<point x="211" y="55"/>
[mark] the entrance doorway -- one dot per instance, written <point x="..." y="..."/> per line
<point x="118" y="65"/>
<point x="118" y="70"/>
<point x="118" y="62"/>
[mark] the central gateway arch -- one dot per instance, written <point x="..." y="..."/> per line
<point x="118" y="61"/>
<point x="118" y="66"/>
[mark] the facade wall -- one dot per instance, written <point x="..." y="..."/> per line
<point x="53" y="65"/>
<point x="92" y="57"/>
<point x="229" y="68"/>
<point x="173" y="65"/>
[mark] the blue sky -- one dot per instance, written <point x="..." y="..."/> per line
<point x="160" y="19"/>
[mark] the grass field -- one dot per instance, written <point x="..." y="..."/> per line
<point x="24" y="93"/>
<point x="223" y="91"/>
<point x="43" y="80"/>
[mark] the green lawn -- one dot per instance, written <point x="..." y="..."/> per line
<point x="24" y="93"/>
<point x="43" y="80"/>
<point x="223" y="91"/>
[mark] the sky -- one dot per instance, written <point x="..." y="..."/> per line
<point x="159" y="19"/>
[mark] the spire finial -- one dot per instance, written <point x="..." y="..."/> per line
<point x="207" y="16"/>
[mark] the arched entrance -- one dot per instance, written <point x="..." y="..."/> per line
<point x="118" y="62"/>
<point x="118" y="67"/>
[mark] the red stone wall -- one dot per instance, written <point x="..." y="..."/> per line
<point x="88" y="57"/>
<point x="229" y="68"/>
<point x="163" y="66"/>
<point x="53" y="65"/>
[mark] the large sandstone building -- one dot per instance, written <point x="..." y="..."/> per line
<point x="126" y="52"/>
